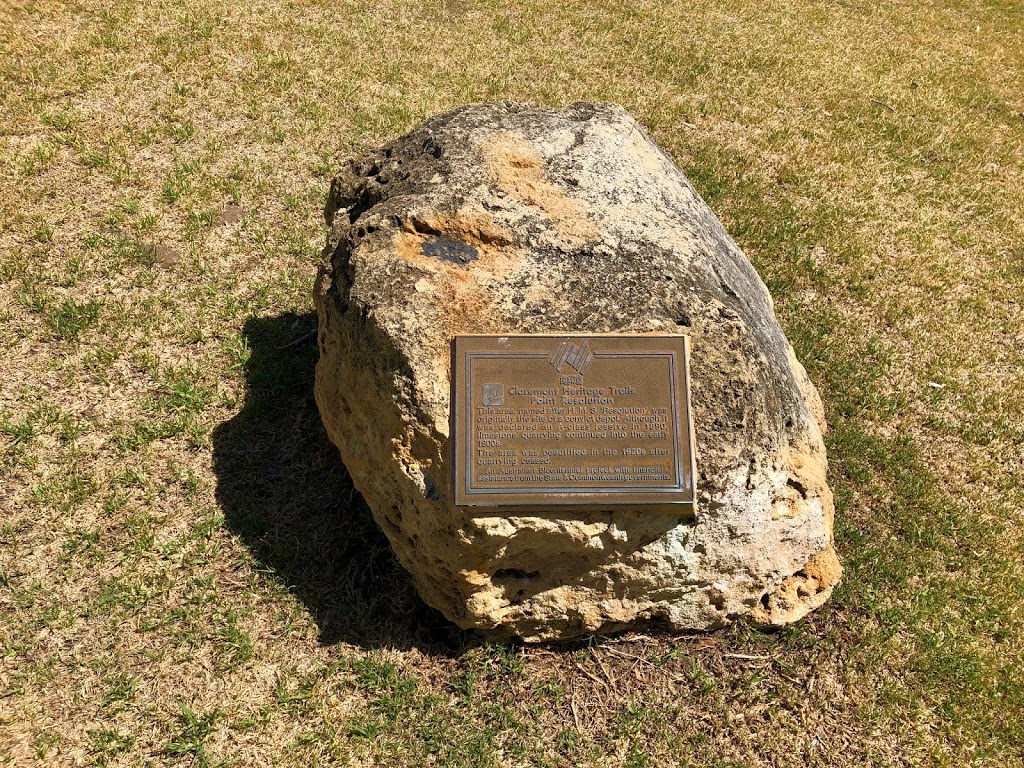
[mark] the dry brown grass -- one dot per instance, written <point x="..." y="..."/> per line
<point x="185" y="573"/>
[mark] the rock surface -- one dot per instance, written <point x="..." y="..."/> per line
<point x="493" y="219"/>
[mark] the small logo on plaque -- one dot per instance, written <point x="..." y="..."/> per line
<point x="494" y="394"/>
<point x="576" y="356"/>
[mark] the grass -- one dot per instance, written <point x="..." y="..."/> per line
<point x="187" y="576"/>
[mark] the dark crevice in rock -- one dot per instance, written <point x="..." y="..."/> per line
<point x="421" y="227"/>
<point x="365" y="199"/>
<point x="726" y="288"/>
<point x="515" y="573"/>
<point x="354" y="199"/>
<point x="798" y="486"/>
<point x="452" y="230"/>
<point x="432" y="148"/>
<point x="751" y="471"/>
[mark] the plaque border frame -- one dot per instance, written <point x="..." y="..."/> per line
<point x="679" y="497"/>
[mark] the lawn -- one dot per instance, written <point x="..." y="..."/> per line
<point x="187" y="576"/>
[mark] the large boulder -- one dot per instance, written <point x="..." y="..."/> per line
<point x="497" y="219"/>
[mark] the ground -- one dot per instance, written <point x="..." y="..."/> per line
<point x="187" y="577"/>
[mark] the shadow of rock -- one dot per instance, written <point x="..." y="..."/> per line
<point x="286" y="493"/>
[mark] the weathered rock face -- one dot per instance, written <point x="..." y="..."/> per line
<point x="496" y="219"/>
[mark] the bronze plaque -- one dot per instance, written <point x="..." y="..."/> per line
<point x="587" y="420"/>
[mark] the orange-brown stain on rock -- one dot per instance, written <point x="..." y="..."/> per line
<point x="488" y="249"/>
<point x="801" y="592"/>
<point x="472" y="227"/>
<point x="465" y="307"/>
<point x="824" y="569"/>
<point x="477" y="252"/>
<point x="517" y="168"/>
<point x="806" y="470"/>
<point x="455" y="289"/>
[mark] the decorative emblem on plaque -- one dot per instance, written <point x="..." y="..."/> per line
<point x="578" y="357"/>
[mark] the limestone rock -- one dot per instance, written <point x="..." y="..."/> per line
<point x="505" y="218"/>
